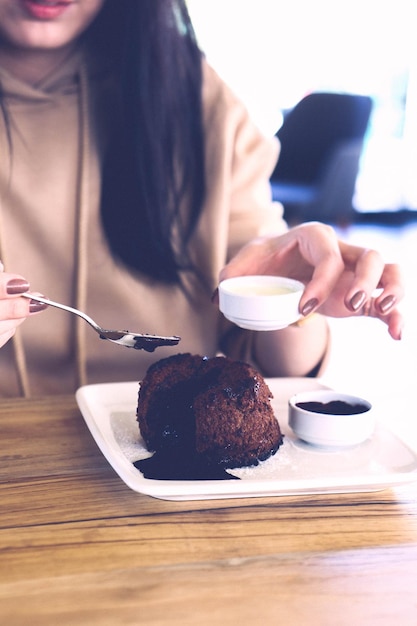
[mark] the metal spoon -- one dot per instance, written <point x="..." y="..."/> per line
<point x="122" y="337"/>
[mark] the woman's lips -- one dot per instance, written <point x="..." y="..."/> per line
<point x="44" y="9"/>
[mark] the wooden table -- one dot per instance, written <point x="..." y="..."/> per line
<point x="79" y="547"/>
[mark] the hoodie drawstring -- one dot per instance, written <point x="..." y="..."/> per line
<point x="82" y="212"/>
<point x="80" y="255"/>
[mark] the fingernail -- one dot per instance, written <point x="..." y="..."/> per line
<point x="16" y="286"/>
<point x="35" y="306"/>
<point x="386" y="304"/>
<point x="309" y="306"/>
<point x="357" y="301"/>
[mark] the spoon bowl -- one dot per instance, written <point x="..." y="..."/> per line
<point x="138" y="341"/>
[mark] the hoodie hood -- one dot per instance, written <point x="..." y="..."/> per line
<point x="62" y="80"/>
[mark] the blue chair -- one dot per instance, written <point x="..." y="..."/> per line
<point x="321" y="144"/>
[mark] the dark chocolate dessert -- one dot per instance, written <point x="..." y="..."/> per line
<point x="212" y="410"/>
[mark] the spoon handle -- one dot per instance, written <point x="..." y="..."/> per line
<point x="64" y="307"/>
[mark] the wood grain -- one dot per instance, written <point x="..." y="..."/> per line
<point x="78" y="547"/>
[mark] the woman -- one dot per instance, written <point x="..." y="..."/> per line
<point x="131" y="179"/>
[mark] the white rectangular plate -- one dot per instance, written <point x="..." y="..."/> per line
<point x="383" y="461"/>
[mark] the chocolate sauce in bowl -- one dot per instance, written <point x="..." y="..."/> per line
<point x="334" y="407"/>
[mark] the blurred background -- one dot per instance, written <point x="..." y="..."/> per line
<point x="272" y="54"/>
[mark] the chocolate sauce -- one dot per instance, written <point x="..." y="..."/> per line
<point x="335" y="407"/>
<point x="150" y="343"/>
<point x="180" y="465"/>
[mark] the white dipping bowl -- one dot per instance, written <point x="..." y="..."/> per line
<point x="260" y="302"/>
<point x="330" y="429"/>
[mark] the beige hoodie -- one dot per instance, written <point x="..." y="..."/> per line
<point x="50" y="233"/>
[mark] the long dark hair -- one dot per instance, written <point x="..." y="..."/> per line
<point x="153" y="175"/>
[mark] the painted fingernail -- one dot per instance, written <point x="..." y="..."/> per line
<point x="386" y="304"/>
<point x="357" y="301"/>
<point x="309" y="306"/>
<point x="16" y="286"/>
<point x="35" y="306"/>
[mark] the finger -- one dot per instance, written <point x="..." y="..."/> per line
<point x="320" y="248"/>
<point x="8" y="328"/>
<point x="325" y="276"/>
<point x="12" y="285"/>
<point x="371" y="275"/>
<point x="366" y="275"/>
<point x="395" y="323"/>
<point x="394" y="319"/>
<point x="4" y="337"/>
<point x="391" y="289"/>
<point x="13" y="309"/>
